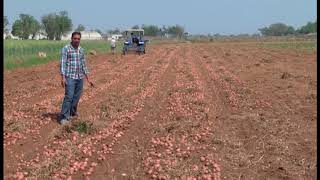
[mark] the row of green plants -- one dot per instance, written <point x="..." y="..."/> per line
<point x="24" y="53"/>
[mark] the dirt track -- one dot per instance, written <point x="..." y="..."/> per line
<point x="219" y="110"/>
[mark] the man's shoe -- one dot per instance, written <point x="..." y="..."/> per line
<point x="64" y="122"/>
<point x="75" y="115"/>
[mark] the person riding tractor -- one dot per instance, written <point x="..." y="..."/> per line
<point x="134" y="41"/>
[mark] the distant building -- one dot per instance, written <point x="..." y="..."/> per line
<point x="40" y="35"/>
<point x="10" y="36"/>
<point x="85" y="35"/>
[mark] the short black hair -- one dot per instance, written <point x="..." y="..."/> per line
<point x="76" y="33"/>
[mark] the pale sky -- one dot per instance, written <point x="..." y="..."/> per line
<point x="196" y="16"/>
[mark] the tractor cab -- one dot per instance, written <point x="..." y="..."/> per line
<point x="134" y="41"/>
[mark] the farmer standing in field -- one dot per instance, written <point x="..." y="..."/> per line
<point x="72" y="68"/>
<point x="113" y="45"/>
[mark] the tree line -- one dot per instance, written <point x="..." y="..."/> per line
<point x="281" y="29"/>
<point x="54" y="25"/>
<point x="153" y="30"/>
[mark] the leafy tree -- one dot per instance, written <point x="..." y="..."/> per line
<point x="176" y="30"/>
<point x="308" y="28"/>
<point x="180" y="31"/>
<point x="17" y="28"/>
<point x="35" y="26"/>
<point x="277" y="29"/>
<point x="151" y="30"/>
<point x="25" y="26"/>
<point x="291" y="30"/>
<point x="49" y="25"/>
<point x="265" y="31"/>
<point x="64" y="24"/>
<point x="80" y="28"/>
<point x="55" y="25"/>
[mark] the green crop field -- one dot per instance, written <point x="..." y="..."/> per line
<point x="24" y="53"/>
<point x="302" y="45"/>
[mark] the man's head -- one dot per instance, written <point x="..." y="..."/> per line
<point x="75" y="39"/>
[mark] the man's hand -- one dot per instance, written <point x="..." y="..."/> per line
<point x="63" y="81"/>
<point x="91" y="84"/>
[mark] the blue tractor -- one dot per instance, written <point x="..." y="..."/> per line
<point x="134" y="41"/>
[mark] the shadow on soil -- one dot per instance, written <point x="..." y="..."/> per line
<point x="53" y="116"/>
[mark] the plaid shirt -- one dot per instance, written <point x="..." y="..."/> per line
<point x="72" y="62"/>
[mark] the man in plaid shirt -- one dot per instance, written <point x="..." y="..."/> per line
<point x="72" y="69"/>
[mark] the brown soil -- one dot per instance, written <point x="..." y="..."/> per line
<point x="181" y="111"/>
